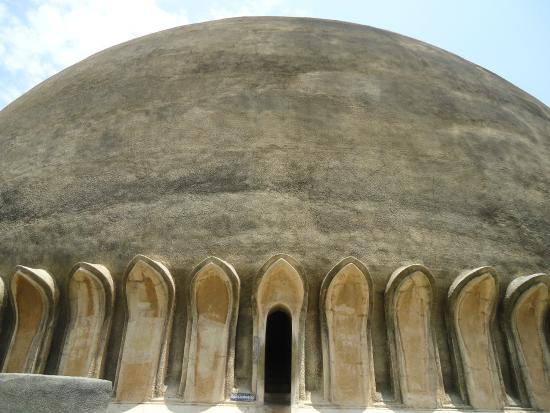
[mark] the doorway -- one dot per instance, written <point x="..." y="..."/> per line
<point x="278" y="356"/>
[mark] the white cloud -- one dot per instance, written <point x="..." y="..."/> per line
<point x="54" y="34"/>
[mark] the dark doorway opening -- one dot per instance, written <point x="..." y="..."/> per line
<point x="278" y="353"/>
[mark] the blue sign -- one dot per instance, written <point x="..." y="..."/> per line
<point x="243" y="397"/>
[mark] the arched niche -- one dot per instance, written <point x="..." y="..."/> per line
<point x="2" y="301"/>
<point x="149" y="292"/>
<point x="91" y="300"/>
<point x="209" y="357"/>
<point x="472" y="302"/>
<point x="345" y="307"/>
<point x="280" y="288"/>
<point x="34" y="297"/>
<point x="526" y="307"/>
<point x="409" y="306"/>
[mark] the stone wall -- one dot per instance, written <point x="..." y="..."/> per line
<point x="24" y="393"/>
<point x="498" y="345"/>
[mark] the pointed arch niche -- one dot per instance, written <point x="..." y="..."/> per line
<point x="416" y="370"/>
<point x="149" y="292"/>
<point x="280" y="304"/>
<point x="526" y="307"/>
<point x="345" y="307"/>
<point x="209" y="356"/>
<point x="34" y="297"/>
<point x="91" y="301"/>
<point x="2" y="301"/>
<point x="472" y="301"/>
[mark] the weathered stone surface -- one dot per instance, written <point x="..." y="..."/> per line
<point x="34" y="297"/>
<point x="91" y="296"/>
<point x="149" y="292"/>
<point x="247" y="137"/>
<point x="472" y="304"/>
<point x="210" y="346"/>
<point x="280" y="286"/>
<point x="346" y="303"/>
<point x="414" y="355"/>
<point x="526" y="305"/>
<point x="30" y="393"/>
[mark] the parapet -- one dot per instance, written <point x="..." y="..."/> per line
<point x="26" y="393"/>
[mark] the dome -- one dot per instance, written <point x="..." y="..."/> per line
<point x="248" y="138"/>
<point x="245" y="137"/>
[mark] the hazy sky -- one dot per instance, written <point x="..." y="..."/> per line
<point x="40" y="37"/>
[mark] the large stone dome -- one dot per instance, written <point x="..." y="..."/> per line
<point x="247" y="137"/>
<point x="244" y="137"/>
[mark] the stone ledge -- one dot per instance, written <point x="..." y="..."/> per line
<point x="24" y="393"/>
<point x="175" y="407"/>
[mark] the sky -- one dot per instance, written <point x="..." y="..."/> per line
<point x="38" y="38"/>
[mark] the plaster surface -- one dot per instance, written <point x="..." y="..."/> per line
<point x="150" y="301"/>
<point x="27" y="336"/>
<point x="527" y="305"/>
<point x="91" y="297"/>
<point x="34" y="297"/>
<point x="415" y="360"/>
<point x="349" y="376"/>
<point x="472" y="301"/>
<point x="214" y="303"/>
<point x="529" y="317"/>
